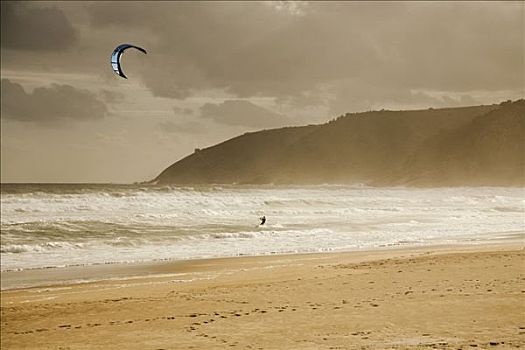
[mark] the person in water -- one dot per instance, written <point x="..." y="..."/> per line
<point x="263" y="220"/>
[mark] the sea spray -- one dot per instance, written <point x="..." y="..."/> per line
<point x="60" y="225"/>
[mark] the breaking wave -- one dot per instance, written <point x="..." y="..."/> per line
<point x="57" y="225"/>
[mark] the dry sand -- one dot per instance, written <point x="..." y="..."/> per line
<point x="444" y="298"/>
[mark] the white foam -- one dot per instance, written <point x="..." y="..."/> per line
<point x="90" y="226"/>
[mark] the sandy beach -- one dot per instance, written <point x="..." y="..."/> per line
<point x="434" y="297"/>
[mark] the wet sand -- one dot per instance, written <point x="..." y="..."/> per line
<point x="439" y="297"/>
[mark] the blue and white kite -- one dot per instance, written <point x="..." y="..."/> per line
<point x="115" y="57"/>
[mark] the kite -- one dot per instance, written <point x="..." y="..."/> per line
<point x="115" y="57"/>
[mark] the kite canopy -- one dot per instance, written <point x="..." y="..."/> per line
<point x="115" y="57"/>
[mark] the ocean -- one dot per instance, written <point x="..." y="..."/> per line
<point x="52" y="225"/>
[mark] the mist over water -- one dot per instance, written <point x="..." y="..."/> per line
<point x="61" y="225"/>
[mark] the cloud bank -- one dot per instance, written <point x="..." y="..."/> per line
<point x="49" y="104"/>
<point x="35" y="28"/>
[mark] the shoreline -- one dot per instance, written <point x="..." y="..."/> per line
<point x="445" y="297"/>
<point x="97" y="272"/>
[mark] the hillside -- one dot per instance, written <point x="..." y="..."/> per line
<point x="482" y="145"/>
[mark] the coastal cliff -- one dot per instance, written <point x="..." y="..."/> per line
<point x="467" y="146"/>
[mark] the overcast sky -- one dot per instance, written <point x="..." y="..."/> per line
<point x="216" y="70"/>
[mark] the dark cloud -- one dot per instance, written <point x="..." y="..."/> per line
<point x="434" y="46"/>
<point x="243" y="113"/>
<point x="49" y="104"/>
<point x="25" y="26"/>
